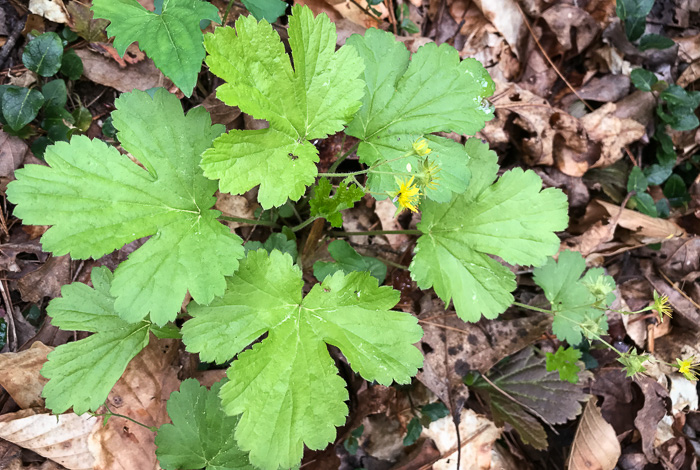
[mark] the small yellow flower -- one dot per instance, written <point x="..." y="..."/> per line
<point x="420" y="146"/>
<point x="661" y="306"/>
<point x="687" y="368"/>
<point x="407" y="196"/>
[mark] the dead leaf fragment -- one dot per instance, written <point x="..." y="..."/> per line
<point x="478" y="435"/>
<point x="567" y="22"/>
<point x="595" y="445"/>
<point x="83" y="23"/>
<point x="62" y="438"/>
<point x="20" y="377"/>
<point x="47" y="280"/>
<point x="650" y="229"/>
<point x="141" y="76"/>
<point x="52" y="10"/>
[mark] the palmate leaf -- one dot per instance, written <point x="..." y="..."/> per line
<point x="406" y="100"/>
<point x="98" y="200"/>
<point x="81" y="374"/>
<point x="172" y="39"/>
<point x="201" y="435"/>
<point x="287" y="387"/>
<point x="573" y="298"/>
<point x="513" y="219"/>
<point x="310" y="101"/>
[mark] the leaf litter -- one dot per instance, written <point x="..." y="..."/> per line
<point x="541" y="122"/>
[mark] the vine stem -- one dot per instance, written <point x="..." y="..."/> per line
<point x="248" y="221"/>
<point x="110" y="413"/>
<point x="336" y="233"/>
<point x="340" y="159"/>
<point x="304" y="224"/>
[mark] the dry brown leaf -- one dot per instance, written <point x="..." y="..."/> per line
<point x="52" y="10"/>
<point x="12" y="153"/>
<point x="63" y="438"/>
<point x="453" y="347"/>
<point x="507" y="18"/>
<point x="648" y="229"/>
<point x="141" y="76"/>
<point x="611" y="133"/>
<point x="141" y="394"/>
<point x="47" y="280"/>
<point x="233" y="205"/>
<point x="567" y="22"/>
<point x="220" y="112"/>
<point x="386" y="210"/>
<point x="689" y="75"/>
<point x="81" y="442"/>
<point x="20" y="377"/>
<point x="478" y="435"/>
<point x="595" y="445"/>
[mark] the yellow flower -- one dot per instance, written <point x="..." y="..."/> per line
<point x="661" y="306"/>
<point x="420" y="146"/>
<point x="407" y="195"/>
<point x="687" y="368"/>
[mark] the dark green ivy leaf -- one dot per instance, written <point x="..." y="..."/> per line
<point x="643" y="79"/>
<point x="20" y="106"/>
<point x="43" y="54"/>
<point x="71" y="65"/>
<point x="413" y="431"/>
<point x="655" y="41"/>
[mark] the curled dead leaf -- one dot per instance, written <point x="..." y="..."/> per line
<point x="20" y="377"/>
<point x="595" y="445"/>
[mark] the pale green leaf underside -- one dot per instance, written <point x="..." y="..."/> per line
<point x="172" y="39"/>
<point x="287" y="387"/>
<point x="311" y="100"/>
<point x="98" y="200"/>
<point x="81" y="374"/>
<point x="201" y="435"/>
<point x="406" y="99"/>
<point x="513" y="219"/>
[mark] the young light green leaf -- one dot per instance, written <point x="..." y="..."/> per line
<point x="201" y="435"/>
<point x="513" y="219"/>
<point x="43" y="54"/>
<point x="20" y="106"/>
<point x="313" y="99"/>
<point x="81" y="374"/>
<point x="268" y="10"/>
<point x="565" y="361"/>
<point x="172" y="39"/>
<point x="348" y="260"/>
<point x="98" y="200"/>
<point x="406" y="100"/>
<point x="571" y="299"/>
<point x="287" y="387"/>
<point x="324" y="205"/>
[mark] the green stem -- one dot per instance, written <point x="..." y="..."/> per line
<point x="391" y="263"/>
<point x="336" y="233"/>
<point x="340" y="159"/>
<point x="228" y="9"/>
<point x="589" y="334"/>
<point x="530" y="307"/>
<point x="368" y="170"/>
<point x="304" y="224"/>
<point x="110" y="413"/>
<point x="243" y="220"/>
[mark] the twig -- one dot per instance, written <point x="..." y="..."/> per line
<point x="10" y="317"/>
<point x="12" y="39"/>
